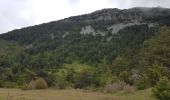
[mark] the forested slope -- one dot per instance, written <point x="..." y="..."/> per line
<point x="90" y="50"/>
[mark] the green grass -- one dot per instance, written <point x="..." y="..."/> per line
<point x="139" y="95"/>
<point x="49" y="94"/>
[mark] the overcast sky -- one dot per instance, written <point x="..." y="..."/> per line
<point x="22" y="13"/>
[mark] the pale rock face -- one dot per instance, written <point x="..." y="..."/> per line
<point x="29" y="46"/>
<point x="87" y="30"/>
<point x="100" y="18"/>
<point x="105" y="18"/>
<point x="117" y="27"/>
<point x="101" y="33"/>
<point x="65" y="35"/>
<point x="90" y="30"/>
<point x="52" y="36"/>
<point x="109" y="38"/>
<point x="152" y="25"/>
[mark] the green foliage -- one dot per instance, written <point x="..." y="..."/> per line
<point x="84" y="79"/>
<point x="105" y="78"/>
<point x="65" y="58"/>
<point x="60" y="80"/>
<point x="74" y="75"/>
<point x="125" y="77"/>
<point x="155" y="55"/>
<point x="10" y="47"/>
<point x="162" y="89"/>
<point x="154" y="73"/>
<point x="142" y="83"/>
<point x="157" y="49"/>
<point x="1" y="83"/>
<point x="119" y="64"/>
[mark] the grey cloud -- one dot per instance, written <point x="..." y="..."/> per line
<point x="142" y="3"/>
<point x="12" y="15"/>
<point x="151" y="3"/>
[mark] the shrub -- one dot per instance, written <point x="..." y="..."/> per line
<point x="129" y="89"/>
<point x="154" y="72"/>
<point x="142" y="82"/>
<point x="105" y="78"/>
<point x="162" y="89"/>
<point x="61" y="84"/>
<point x="125" y="76"/>
<point x="60" y="81"/>
<point x="40" y="83"/>
<point x="83" y="79"/>
<point x="30" y="86"/>
<point x="110" y="88"/>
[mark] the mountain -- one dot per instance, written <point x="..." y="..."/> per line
<point x="108" y="37"/>
<point x="99" y="20"/>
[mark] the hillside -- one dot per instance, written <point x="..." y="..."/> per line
<point x="90" y="51"/>
<point x="95" y="33"/>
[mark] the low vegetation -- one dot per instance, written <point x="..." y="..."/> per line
<point x="51" y="94"/>
<point x="162" y="89"/>
<point x="38" y="83"/>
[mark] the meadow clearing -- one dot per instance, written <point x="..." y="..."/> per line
<point x="72" y="94"/>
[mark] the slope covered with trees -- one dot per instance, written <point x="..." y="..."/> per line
<point x="96" y="50"/>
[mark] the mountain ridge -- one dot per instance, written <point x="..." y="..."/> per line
<point x="102" y="10"/>
<point x="107" y="17"/>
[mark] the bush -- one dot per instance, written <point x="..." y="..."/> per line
<point x="142" y="82"/>
<point x="154" y="72"/>
<point x="119" y="86"/>
<point x="162" y="89"/>
<point x="111" y="88"/>
<point x="129" y="89"/>
<point x="30" y="86"/>
<point x="60" y="80"/>
<point x="104" y="79"/>
<point x="125" y="76"/>
<point x="38" y="83"/>
<point x="61" y="83"/>
<point x="83" y="79"/>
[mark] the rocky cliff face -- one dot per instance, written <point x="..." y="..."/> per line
<point x="116" y="15"/>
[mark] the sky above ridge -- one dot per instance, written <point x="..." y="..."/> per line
<point x="15" y="14"/>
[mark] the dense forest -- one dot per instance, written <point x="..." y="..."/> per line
<point x="93" y="50"/>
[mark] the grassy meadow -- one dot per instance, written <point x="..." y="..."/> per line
<point x="50" y="94"/>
